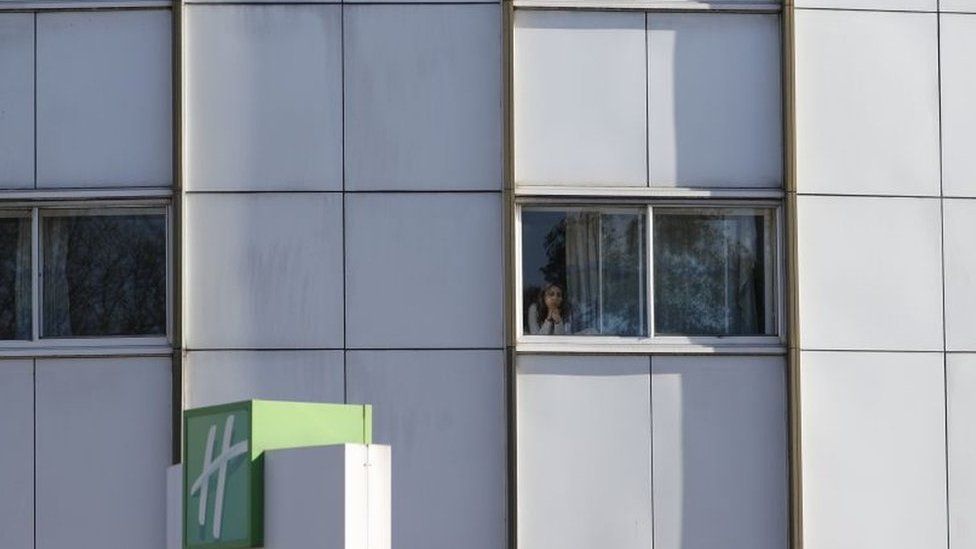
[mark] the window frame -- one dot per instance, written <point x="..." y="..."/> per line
<point x="89" y="345"/>
<point x="652" y="343"/>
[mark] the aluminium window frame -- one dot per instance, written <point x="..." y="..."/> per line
<point x="90" y="345"/>
<point x="652" y="343"/>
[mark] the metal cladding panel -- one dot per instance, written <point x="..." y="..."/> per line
<point x="263" y="98"/>
<point x="423" y="100"/>
<point x="870" y="273"/>
<point x="424" y="270"/>
<point x="584" y="452"/>
<point x="714" y="100"/>
<point x="580" y="103"/>
<point x="17" y="454"/>
<point x="887" y="5"/>
<point x="263" y="271"/>
<point x="960" y="272"/>
<point x="443" y="413"/>
<point x="961" y="385"/>
<point x="103" y="445"/>
<point x="958" y="55"/>
<point x="867" y="102"/>
<point x="218" y="377"/>
<point x="720" y="452"/>
<point x="874" y="450"/>
<point x="16" y="100"/>
<point x="104" y="99"/>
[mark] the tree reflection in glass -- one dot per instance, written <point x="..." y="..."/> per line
<point x="709" y="272"/>
<point x="15" y="276"/>
<point x="595" y="258"/>
<point x="104" y="275"/>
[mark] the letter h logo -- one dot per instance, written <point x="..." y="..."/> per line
<point x="216" y="466"/>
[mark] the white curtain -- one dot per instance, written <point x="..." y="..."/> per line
<point x="583" y="270"/>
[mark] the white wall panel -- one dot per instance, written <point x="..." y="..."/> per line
<point x="869" y="273"/>
<point x="958" y="54"/>
<point x="874" y="469"/>
<point x="714" y="100"/>
<point x="104" y="99"/>
<point x="889" y="5"/>
<point x="960" y="274"/>
<point x="264" y="97"/>
<point x="16" y="100"/>
<point x="720" y="452"/>
<point x="16" y="453"/>
<point x="584" y="452"/>
<point x="424" y="270"/>
<point x="960" y="6"/>
<point x="263" y="270"/>
<point x="580" y="98"/>
<point x="867" y="102"/>
<point x="423" y="97"/>
<point x="217" y="377"/>
<point x="443" y="413"/>
<point x="960" y="386"/>
<point x="103" y="446"/>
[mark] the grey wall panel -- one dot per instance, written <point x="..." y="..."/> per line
<point x="16" y="453"/>
<point x="443" y="412"/>
<point x="874" y="450"/>
<point x="264" y="98"/>
<point x="103" y="445"/>
<point x="958" y="55"/>
<point x="263" y="271"/>
<point x="720" y="452"/>
<point x="424" y="270"/>
<point x="960" y="273"/>
<point x="216" y="377"/>
<point x="423" y="97"/>
<point x="104" y="99"/>
<point x="890" y="5"/>
<point x="714" y="100"/>
<point x="867" y="102"/>
<point x="584" y="452"/>
<point x="580" y="98"/>
<point x="16" y="100"/>
<point x="960" y="6"/>
<point x="961" y="385"/>
<point x="870" y="273"/>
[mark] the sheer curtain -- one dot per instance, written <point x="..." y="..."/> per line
<point x="57" y="297"/>
<point x="583" y="270"/>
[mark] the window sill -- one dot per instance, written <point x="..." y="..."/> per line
<point x="86" y="347"/>
<point x="762" y="345"/>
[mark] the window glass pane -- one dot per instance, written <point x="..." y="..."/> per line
<point x="583" y="272"/>
<point x="104" y="274"/>
<point x="15" y="276"/>
<point x="710" y="274"/>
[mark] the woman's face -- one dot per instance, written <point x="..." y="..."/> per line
<point x="554" y="297"/>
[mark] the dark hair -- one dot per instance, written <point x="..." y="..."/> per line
<point x="542" y="311"/>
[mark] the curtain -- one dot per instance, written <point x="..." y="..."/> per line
<point x="57" y="299"/>
<point x="742" y="301"/>
<point x="583" y="270"/>
<point x="22" y="281"/>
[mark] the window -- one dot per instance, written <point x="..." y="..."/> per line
<point x="15" y="275"/>
<point x="584" y="271"/>
<point x="101" y="272"/>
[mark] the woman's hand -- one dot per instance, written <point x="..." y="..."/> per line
<point x="554" y="316"/>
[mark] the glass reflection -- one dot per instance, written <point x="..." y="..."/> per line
<point x="709" y="273"/>
<point x="15" y="277"/>
<point x="583" y="272"/>
<point x="104" y="275"/>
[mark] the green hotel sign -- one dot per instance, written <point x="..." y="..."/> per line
<point x="223" y="461"/>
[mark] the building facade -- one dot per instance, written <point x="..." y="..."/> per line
<point x="612" y="273"/>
